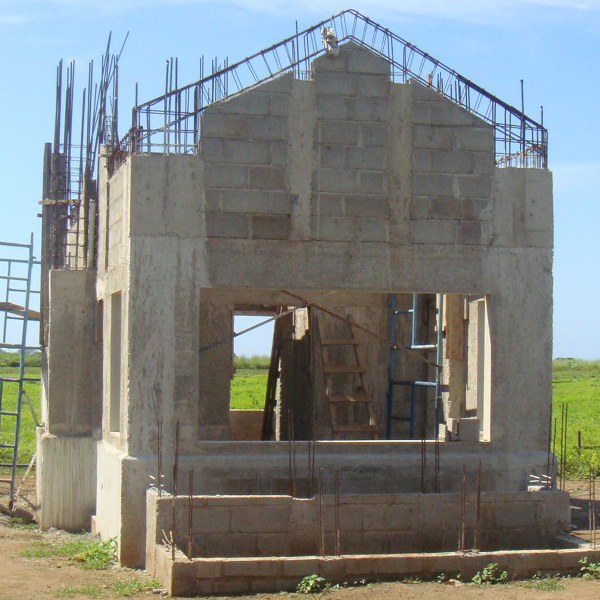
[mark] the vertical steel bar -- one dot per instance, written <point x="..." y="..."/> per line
<point x="321" y="515"/>
<point x="461" y="530"/>
<point x="159" y="456"/>
<point x="477" y="509"/>
<point x="423" y="464"/>
<point x="190" y="512"/>
<point x="173" y="507"/>
<point x="336" y="500"/>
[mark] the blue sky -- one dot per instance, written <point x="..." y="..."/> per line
<point x="552" y="44"/>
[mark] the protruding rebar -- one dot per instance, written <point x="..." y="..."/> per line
<point x="321" y="516"/>
<point x="336" y="507"/>
<point x="461" y="529"/>
<point x="292" y="454"/>
<point x="175" y="471"/>
<point x="190" y="511"/>
<point x="477" y="509"/>
<point x="423" y="464"/>
<point x="159" y="457"/>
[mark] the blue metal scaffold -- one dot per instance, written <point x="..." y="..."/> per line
<point x="414" y="384"/>
<point x="16" y="312"/>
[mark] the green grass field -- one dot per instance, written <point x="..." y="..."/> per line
<point x="576" y="384"/>
<point x="9" y="400"/>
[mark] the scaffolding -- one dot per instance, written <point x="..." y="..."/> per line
<point x="16" y="312"/>
<point x="413" y="384"/>
<point x="170" y="123"/>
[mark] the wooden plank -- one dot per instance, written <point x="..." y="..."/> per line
<point x="455" y="327"/>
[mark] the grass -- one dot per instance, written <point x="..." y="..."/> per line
<point x="9" y="403"/>
<point x="248" y="389"/>
<point x="576" y="384"/>
<point x="90" y="554"/>
<point x="123" y="588"/>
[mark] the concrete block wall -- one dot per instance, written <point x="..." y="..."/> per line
<point x="251" y="575"/>
<point x="244" y="147"/>
<point x="234" y="526"/>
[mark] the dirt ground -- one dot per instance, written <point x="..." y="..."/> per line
<point x="25" y="578"/>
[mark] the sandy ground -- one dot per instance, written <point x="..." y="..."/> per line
<point x="24" y="578"/>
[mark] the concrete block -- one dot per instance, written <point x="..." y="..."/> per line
<point x="271" y="227"/>
<point x="252" y="568"/>
<point x="363" y="61"/>
<point x="445" y="161"/>
<point x="427" y="136"/>
<point x="273" y="586"/>
<point x="388" y="518"/>
<point x="243" y="152"/>
<point x="258" y="519"/>
<point x="332" y="132"/>
<point x="224" y="126"/>
<point x="373" y="134"/>
<point x="447" y="113"/>
<point x="445" y="208"/>
<point x="267" y="178"/>
<point x="509" y="514"/>
<point x="212" y="519"/>
<point x="371" y="182"/>
<point x="327" y="205"/>
<point x="370" y="158"/>
<point x="419" y="208"/>
<point x="434" y="232"/>
<point x="232" y="545"/>
<point x="231" y="586"/>
<point x="469" y="232"/>
<point x="335" y="84"/>
<point x="266" y="128"/>
<point x="475" y="138"/>
<point x="332" y="157"/>
<point x="373" y="85"/>
<point x="300" y="567"/>
<point x="432" y="185"/>
<point x="367" y="109"/>
<point x="278" y="152"/>
<point x="373" y="230"/>
<point x="251" y="103"/>
<point x="280" y="203"/>
<point x="226" y="176"/>
<point x="474" y="187"/>
<point x="336" y="180"/>
<point x="226" y="225"/>
<point x="332" y="107"/>
<point x="367" y="206"/>
<point x="274" y="544"/>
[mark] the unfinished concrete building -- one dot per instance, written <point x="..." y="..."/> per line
<point x="395" y="220"/>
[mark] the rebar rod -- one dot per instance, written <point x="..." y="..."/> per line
<point x="190" y="512"/>
<point x="461" y="529"/>
<point x="477" y="509"/>
<point x="175" y="471"/>
<point x="336" y="500"/>
<point x="423" y="464"/>
<point x="159" y="456"/>
<point x="321" y="515"/>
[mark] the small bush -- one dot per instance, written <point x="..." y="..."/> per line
<point x="589" y="570"/>
<point x="311" y="584"/>
<point x="490" y="574"/>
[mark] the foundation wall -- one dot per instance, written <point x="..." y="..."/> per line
<point x="220" y="576"/>
<point x="235" y="526"/>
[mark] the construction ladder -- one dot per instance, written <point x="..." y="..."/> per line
<point x="15" y="282"/>
<point x="344" y="382"/>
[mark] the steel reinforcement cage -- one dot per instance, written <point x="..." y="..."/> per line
<point x="170" y="124"/>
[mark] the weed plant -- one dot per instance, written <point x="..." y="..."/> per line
<point x="90" y="554"/>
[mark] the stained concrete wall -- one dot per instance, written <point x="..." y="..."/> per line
<point x="345" y="182"/>
<point x="71" y="405"/>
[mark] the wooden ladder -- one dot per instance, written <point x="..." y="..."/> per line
<point x="344" y="383"/>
